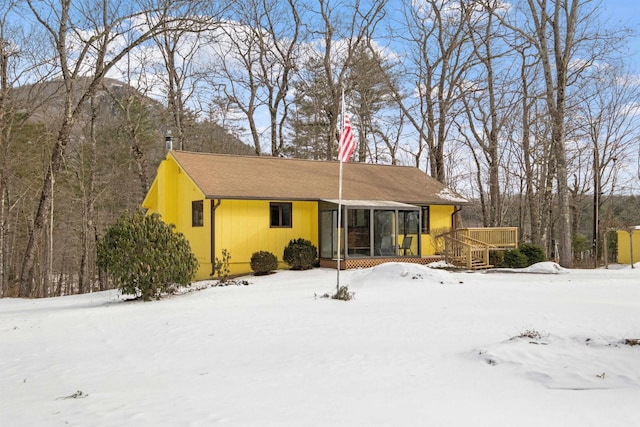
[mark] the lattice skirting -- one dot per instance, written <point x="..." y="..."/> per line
<point x="372" y="262"/>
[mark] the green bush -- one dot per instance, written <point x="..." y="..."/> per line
<point x="145" y="257"/>
<point x="222" y="266"/>
<point x="580" y="243"/>
<point x="534" y="253"/>
<point x="496" y="258"/>
<point x="513" y="258"/>
<point x="300" y="254"/>
<point x="263" y="262"/>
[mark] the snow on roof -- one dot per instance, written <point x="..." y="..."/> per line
<point x="447" y="194"/>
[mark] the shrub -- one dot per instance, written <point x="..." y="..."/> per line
<point x="263" y="262"/>
<point x="343" y="294"/>
<point x="300" y="254"/>
<point x="221" y="266"/>
<point x="580" y="243"/>
<point x="496" y="258"/>
<point x="145" y="257"/>
<point x="531" y="334"/>
<point x="534" y="253"/>
<point x="513" y="258"/>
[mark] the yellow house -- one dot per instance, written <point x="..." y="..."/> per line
<point x="628" y="241"/>
<point x="246" y="204"/>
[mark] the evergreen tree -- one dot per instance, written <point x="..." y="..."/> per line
<point x="310" y="121"/>
<point x="145" y="256"/>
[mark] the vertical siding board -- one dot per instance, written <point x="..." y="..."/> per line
<point x="439" y="218"/>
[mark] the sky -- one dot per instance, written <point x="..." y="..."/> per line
<point x="417" y="346"/>
<point x="626" y="13"/>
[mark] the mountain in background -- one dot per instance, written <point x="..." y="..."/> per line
<point x="43" y="103"/>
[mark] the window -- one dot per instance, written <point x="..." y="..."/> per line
<point x="280" y="215"/>
<point x="426" y="229"/>
<point x="358" y="231"/>
<point x="408" y="222"/>
<point x="358" y="217"/>
<point x="197" y="213"/>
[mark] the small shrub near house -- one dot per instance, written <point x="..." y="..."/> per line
<point x="145" y="257"/>
<point x="263" y="262"/>
<point x="513" y="258"/>
<point x="300" y="254"/>
<point x="496" y="258"/>
<point x="222" y="267"/>
<point x="534" y="253"/>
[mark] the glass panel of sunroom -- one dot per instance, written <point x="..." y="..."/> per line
<point x="359" y="232"/>
<point x="327" y="232"/>
<point x="384" y="232"/>
<point x="408" y="226"/>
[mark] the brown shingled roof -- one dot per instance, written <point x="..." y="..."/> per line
<point x="254" y="177"/>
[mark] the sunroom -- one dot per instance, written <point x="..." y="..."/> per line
<point x="371" y="229"/>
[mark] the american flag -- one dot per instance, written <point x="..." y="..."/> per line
<point x="347" y="141"/>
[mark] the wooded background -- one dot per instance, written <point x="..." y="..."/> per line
<point x="527" y="107"/>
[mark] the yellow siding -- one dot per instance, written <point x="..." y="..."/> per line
<point x="171" y="197"/>
<point x="439" y="220"/>
<point x="179" y="208"/>
<point x="243" y="227"/>
<point x="624" y="249"/>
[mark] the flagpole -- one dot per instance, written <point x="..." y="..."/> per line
<point x="340" y="201"/>
<point x="339" y="227"/>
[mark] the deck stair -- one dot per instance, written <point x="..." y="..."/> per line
<point x="470" y="247"/>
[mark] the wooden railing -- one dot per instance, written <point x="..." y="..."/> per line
<point x="466" y="251"/>
<point x="497" y="237"/>
<point x="470" y="246"/>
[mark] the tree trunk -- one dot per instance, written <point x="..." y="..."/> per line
<point x="26" y="281"/>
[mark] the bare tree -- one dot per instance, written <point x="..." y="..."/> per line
<point x="6" y="51"/>
<point x="489" y="101"/>
<point x="238" y="55"/>
<point x="560" y="32"/>
<point x="132" y="108"/>
<point x="340" y="41"/>
<point x="22" y="60"/>
<point x="182" y="44"/>
<point x="438" y="60"/>
<point x="607" y="134"/>
<point x="533" y="163"/>
<point x="278" y="62"/>
<point x="255" y="58"/>
<point x="84" y="44"/>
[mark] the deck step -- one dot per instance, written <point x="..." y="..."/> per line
<point x="476" y="264"/>
<point x="481" y="266"/>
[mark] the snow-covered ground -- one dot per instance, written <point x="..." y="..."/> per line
<point x="416" y="347"/>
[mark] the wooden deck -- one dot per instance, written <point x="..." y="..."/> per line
<point x="470" y="247"/>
